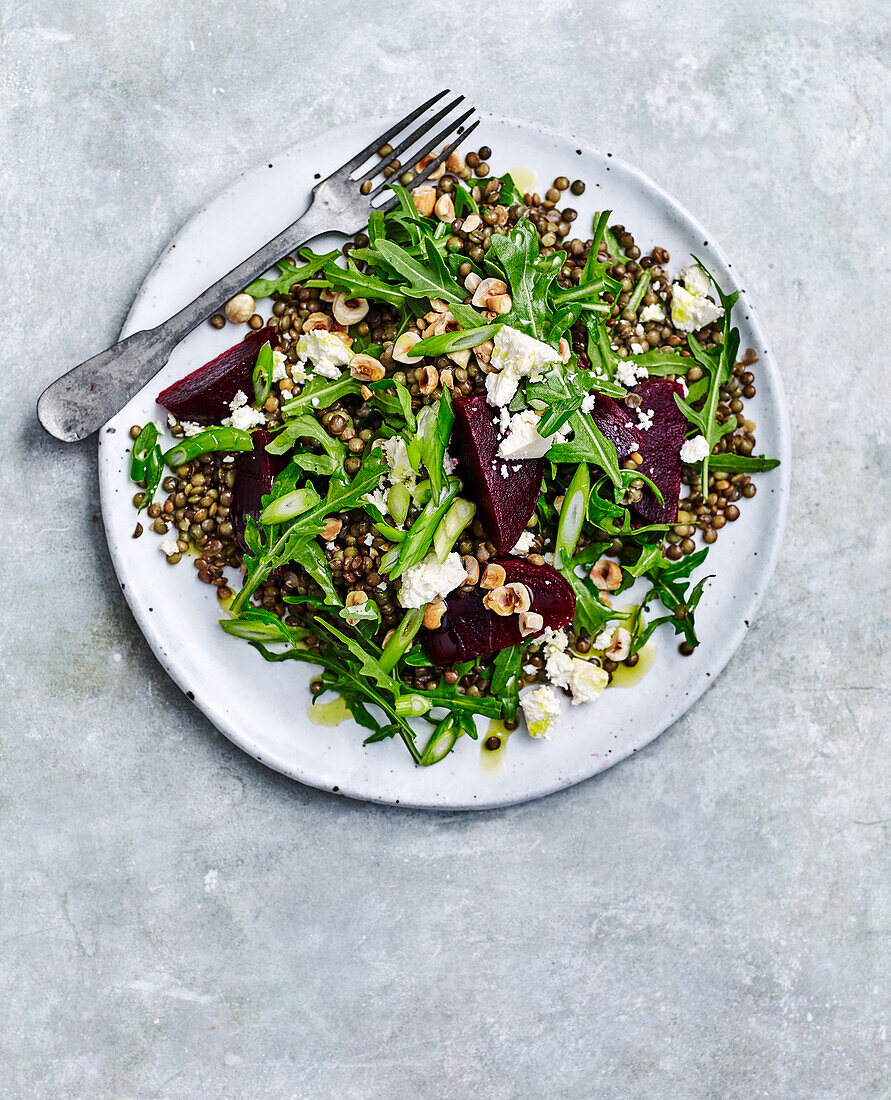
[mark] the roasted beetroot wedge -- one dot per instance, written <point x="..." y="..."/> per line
<point x="660" y="447"/>
<point x="203" y="396"/>
<point x="470" y="630"/>
<point x="617" y="426"/>
<point x="254" y="473"/>
<point x="505" y="492"/>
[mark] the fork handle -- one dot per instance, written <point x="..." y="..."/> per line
<point x="81" y="401"/>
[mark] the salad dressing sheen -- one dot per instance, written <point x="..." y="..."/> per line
<point x="331" y="713"/>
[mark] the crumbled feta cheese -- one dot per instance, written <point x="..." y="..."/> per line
<point x="696" y="281"/>
<point x="584" y="679"/>
<point x="378" y="499"/>
<point x="279" y="365"/>
<point x="190" y="428"/>
<point x="629" y="374"/>
<point x="541" y="708"/>
<point x="168" y="546"/>
<point x="369" y="539"/>
<point x="636" y="348"/>
<point x="524" y="543"/>
<point x="589" y="402"/>
<point x="171" y="420"/>
<point x="691" y="308"/>
<point x="548" y="557"/>
<point x="238" y="401"/>
<point x="518" y="356"/>
<point x="327" y="352"/>
<point x="587" y="682"/>
<point x="645" y="419"/>
<point x="554" y="641"/>
<point x="694" y="450"/>
<point x="396" y="456"/>
<point x="530" y="670"/>
<point x="603" y="640"/>
<point x="655" y="312"/>
<point x="638" y="330"/>
<point x="523" y="441"/>
<point x="245" y="417"/>
<point x="431" y="578"/>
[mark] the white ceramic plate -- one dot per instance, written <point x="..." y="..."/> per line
<point x="263" y="708"/>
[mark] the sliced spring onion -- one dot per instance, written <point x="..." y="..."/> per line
<point x="211" y="439"/>
<point x="398" y="502"/>
<point x="451" y="525"/>
<point x="402" y="638"/>
<point x="290" y="505"/>
<point x="262" y="376"/>
<point x="572" y="514"/>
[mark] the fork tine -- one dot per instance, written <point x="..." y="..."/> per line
<point x="434" y="164"/>
<point x="441" y="136"/>
<point x="352" y="164"/>
<point x="423" y="129"/>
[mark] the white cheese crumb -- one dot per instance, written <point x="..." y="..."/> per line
<point x="517" y="356"/>
<point x="628" y="374"/>
<point x="245" y="417"/>
<point x="238" y="401"/>
<point x="655" y="312"/>
<point x="369" y="539"/>
<point x="694" y="450"/>
<point x="396" y="457"/>
<point x="541" y="708"/>
<point x="691" y="308"/>
<point x="190" y="428"/>
<point x="524" y="543"/>
<point x="378" y="498"/>
<point x="584" y="679"/>
<point x="171" y="420"/>
<point x="603" y="640"/>
<point x="168" y="546"/>
<point x="589" y="402"/>
<point x="645" y="419"/>
<point x="523" y="441"/>
<point x="431" y="578"/>
<point x="327" y="352"/>
<point x="637" y="349"/>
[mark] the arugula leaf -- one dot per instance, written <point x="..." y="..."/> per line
<point x="529" y="276"/>
<point x="307" y="427"/>
<point x="364" y="286"/>
<point x="424" y="280"/>
<point x="588" y="444"/>
<point x="505" y="683"/>
<point x="560" y="394"/>
<point x="309" y="554"/>
<point x="290" y="273"/>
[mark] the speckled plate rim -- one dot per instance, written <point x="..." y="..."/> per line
<point x="587" y="764"/>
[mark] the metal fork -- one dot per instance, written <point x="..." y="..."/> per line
<point x="81" y="401"/>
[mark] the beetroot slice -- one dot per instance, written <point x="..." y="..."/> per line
<point x="660" y="447"/>
<point x="255" y="472"/>
<point x="617" y="426"/>
<point x="470" y="630"/>
<point x="203" y="396"/>
<point x="505" y="503"/>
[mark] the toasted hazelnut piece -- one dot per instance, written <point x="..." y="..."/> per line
<point x="444" y="208"/>
<point x="454" y="163"/>
<point x="500" y="600"/>
<point x="440" y="305"/>
<point x="471" y="222"/>
<point x="472" y="281"/>
<point x="459" y="358"/>
<point x="434" y="613"/>
<point x="240" y="309"/>
<point x="620" y="646"/>
<point x="428" y="379"/>
<point x="425" y="161"/>
<point x="354" y="599"/>
<point x="445" y="322"/>
<point x="366" y="392"/>
<point x="530" y="623"/>
<point x="318" y="321"/>
<point x="447" y="379"/>
<point x="488" y="288"/>
<point x="327" y="295"/>
<point x="606" y="574"/>
<point x="331" y="528"/>
<point x="349" y="311"/>
<point x="424" y="199"/>
<point x="403" y="343"/>
<point x="523" y="597"/>
<point x="483" y="352"/>
<point x="558" y="502"/>
<point x="493" y="576"/>
<point x="471" y="568"/>
<point x="500" y="304"/>
<point x="344" y="338"/>
<point x="366" y="368"/>
<point x="565" y="350"/>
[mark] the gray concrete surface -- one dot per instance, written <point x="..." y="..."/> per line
<point x="707" y="920"/>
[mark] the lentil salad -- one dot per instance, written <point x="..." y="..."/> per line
<point x="340" y="420"/>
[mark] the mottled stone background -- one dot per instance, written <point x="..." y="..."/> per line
<point x="707" y="920"/>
